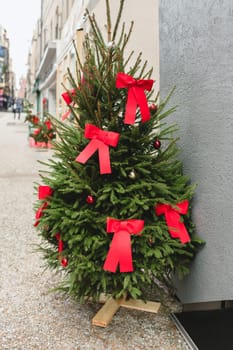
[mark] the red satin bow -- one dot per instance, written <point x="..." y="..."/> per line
<point x="43" y="192"/>
<point x="67" y="98"/>
<point x="63" y="261"/>
<point x="136" y="96"/>
<point x="120" y="248"/>
<point x="176" y="228"/>
<point x="100" y="140"/>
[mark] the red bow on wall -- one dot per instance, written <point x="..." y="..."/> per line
<point x="136" y="96"/>
<point x="100" y="140"/>
<point x="43" y="192"/>
<point x="176" y="228"/>
<point x="120" y="249"/>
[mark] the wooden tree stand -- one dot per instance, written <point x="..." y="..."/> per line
<point x="106" y="313"/>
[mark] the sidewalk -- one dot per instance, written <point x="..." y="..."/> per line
<point x="31" y="317"/>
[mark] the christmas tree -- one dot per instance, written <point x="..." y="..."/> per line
<point x="41" y="131"/>
<point x="114" y="207"/>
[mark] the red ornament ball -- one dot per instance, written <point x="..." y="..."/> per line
<point x="64" y="262"/>
<point x="157" y="144"/>
<point x="153" y="107"/>
<point x="90" y="199"/>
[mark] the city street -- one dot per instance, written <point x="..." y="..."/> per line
<point x="31" y="317"/>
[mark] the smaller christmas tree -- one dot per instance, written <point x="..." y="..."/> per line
<point x="44" y="131"/>
<point x="41" y="131"/>
<point x="114" y="208"/>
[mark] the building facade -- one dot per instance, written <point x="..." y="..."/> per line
<point x="42" y="58"/>
<point x="7" y="79"/>
<point x="61" y="25"/>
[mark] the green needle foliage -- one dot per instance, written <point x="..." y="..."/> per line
<point x="142" y="176"/>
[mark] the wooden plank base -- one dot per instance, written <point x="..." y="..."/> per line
<point x="137" y="304"/>
<point x="111" y="306"/>
<point x="106" y="313"/>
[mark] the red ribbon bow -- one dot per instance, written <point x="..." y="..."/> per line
<point x="37" y="131"/>
<point x="63" y="261"/>
<point x="48" y="124"/>
<point x="67" y="98"/>
<point x="176" y="228"/>
<point x="35" y="119"/>
<point x="100" y="140"/>
<point x="43" y="192"/>
<point x="136" y="96"/>
<point x="120" y="248"/>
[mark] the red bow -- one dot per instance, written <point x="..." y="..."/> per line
<point x="48" y="124"/>
<point x="176" y="228"/>
<point x="43" y="192"/>
<point x="35" y="119"/>
<point x="37" y="131"/>
<point x="100" y="140"/>
<point x="120" y="248"/>
<point x="63" y="261"/>
<point x="136" y="96"/>
<point x="67" y="98"/>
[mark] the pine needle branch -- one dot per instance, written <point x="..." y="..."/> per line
<point x="108" y="20"/>
<point x="118" y="19"/>
<point x="126" y="38"/>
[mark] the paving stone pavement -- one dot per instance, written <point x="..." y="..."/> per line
<point x="33" y="318"/>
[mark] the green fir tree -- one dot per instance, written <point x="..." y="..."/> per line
<point x="145" y="172"/>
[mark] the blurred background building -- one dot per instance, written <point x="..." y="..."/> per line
<point x="52" y="51"/>
<point x="7" y="78"/>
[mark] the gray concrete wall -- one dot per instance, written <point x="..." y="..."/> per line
<point x="196" y="55"/>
